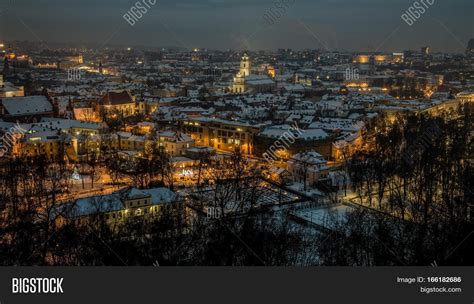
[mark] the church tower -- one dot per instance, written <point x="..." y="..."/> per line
<point x="245" y="65"/>
<point x="239" y="85"/>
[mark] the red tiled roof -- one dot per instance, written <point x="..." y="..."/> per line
<point x="114" y="98"/>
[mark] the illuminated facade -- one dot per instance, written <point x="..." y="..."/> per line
<point x="51" y="145"/>
<point x="466" y="97"/>
<point x="9" y="90"/>
<point x="308" y="168"/>
<point x="222" y="135"/>
<point x="239" y="84"/>
<point x="77" y="59"/>
<point x="245" y="70"/>
<point x="398" y="57"/>
<point x="245" y="82"/>
<point x="379" y="59"/>
<point x="175" y="143"/>
<point x="346" y="146"/>
<point x="362" y="59"/>
<point x="118" y="103"/>
<point x="245" y="65"/>
<point x="116" y="208"/>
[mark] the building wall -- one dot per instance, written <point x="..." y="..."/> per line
<point x="138" y="209"/>
<point x="128" y="109"/>
<point x="313" y="175"/>
<point x="323" y="147"/>
<point x="50" y="149"/>
<point x="26" y="118"/>
<point x="174" y="148"/>
<point x="222" y="136"/>
<point x="18" y="92"/>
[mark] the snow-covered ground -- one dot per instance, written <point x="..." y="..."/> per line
<point x="325" y="217"/>
<point x="311" y="192"/>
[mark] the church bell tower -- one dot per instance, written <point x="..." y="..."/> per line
<point x="245" y="65"/>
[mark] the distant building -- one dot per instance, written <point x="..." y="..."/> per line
<point x="198" y="153"/>
<point x="85" y="134"/>
<point x="293" y="89"/>
<point x="222" y="135"/>
<point x="117" y="207"/>
<point x="73" y="127"/>
<point x="175" y="143"/>
<point x="425" y="51"/>
<point x="465" y="96"/>
<point x="77" y="59"/>
<point x="9" y="90"/>
<point x="118" y="103"/>
<point x="309" y="140"/>
<point x="361" y="59"/>
<point x="70" y="62"/>
<point x="246" y="82"/>
<point x="129" y="142"/>
<point x="308" y="168"/>
<point x="86" y="114"/>
<point x="345" y="146"/>
<point x="378" y="59"/>
<point x="398" y="57"/>
<point x="26" y="109"/>
<point x="470" y="48"/>
<point x="245" y="65"/>
<point x="53" y="145"/>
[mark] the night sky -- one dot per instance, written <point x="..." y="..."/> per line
<point x="359" y="25"/>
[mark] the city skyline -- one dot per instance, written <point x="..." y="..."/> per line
<point x="192" y="156"/>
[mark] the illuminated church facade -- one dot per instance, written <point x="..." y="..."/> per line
<point x="246" y="82"/>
